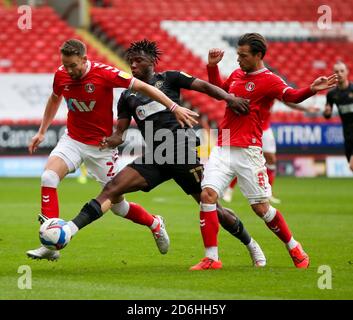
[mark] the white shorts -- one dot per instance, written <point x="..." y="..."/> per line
<point x="101" y="165"/>
<point x="268" y="141"/>
<point x="247" y="164"/>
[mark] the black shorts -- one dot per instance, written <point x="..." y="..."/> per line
<point x="187" y="176"/>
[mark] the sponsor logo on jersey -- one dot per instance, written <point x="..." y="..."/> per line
<point x="66" y="88"/>
<point x="185" y="74"/>
<point x="148" y="109"/>
<point x="74" y="105"/>
<point x="89" y="87"/>
<point x="159" y="84"/>
<point x="250" y="86"/>
<point x="124" y="75"/>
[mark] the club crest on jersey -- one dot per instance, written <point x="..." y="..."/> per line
<point x="250" y="86"/>
<point x="159" y="84"/>
<point x="89" y="87"/>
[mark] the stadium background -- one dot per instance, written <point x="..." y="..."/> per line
<point x="301" y="47"/>
<point x="114" y="259"/>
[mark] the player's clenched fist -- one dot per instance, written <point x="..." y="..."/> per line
<point x="215" y="55"/>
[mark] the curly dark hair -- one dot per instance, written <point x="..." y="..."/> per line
<point x="150" y="48"/>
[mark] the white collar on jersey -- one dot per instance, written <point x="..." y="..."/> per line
<point x="89" y="64"/>
<point x="258" y="71"/>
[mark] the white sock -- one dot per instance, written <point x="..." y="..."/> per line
<point x="212" y="253"/>
<point x="249" y="245"/>
<point x="73" y="228"/>
<point x="154" y="224"/>
<point x="291" y="244"/>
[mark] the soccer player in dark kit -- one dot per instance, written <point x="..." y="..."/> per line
<point x="342" y="97"/>
<point x="150" y="170"/>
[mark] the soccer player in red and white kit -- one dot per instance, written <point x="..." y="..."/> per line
<point x="87" y="87"/>
<point x="239" y="152"/>
<point x="269" y="148"/>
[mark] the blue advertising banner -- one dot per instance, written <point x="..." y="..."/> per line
<point x="308" y="134"/>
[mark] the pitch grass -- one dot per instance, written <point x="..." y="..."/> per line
<point x="115" y="259"/>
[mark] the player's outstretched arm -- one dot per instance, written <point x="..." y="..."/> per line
<point x="238" y="105"/>
<point x="117" y="138"/>
<point x="50" y="111"/>
<point x="310" y="109"/>
<point x="299" y="95"/>
<point x="183" y="115"/>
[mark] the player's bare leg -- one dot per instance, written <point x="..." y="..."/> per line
<point x="276" y="223"/>
<point x="111" y="197"/>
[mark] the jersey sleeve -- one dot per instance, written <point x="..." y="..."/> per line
<point x="277" y="87"/>
<point x="116" y="78"/>
<point x="57" y="88"/>
<point x="123" y="111"/>
<point x="180" y="79"/>
<point x="214" y="78"/>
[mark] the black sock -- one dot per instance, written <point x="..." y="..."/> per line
<point x="234" y="226"/>
<point x="91" y="211"/>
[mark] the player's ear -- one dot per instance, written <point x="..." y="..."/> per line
<point x="84" y="59"/>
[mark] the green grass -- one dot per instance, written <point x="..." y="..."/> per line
<point x="115" y="259"/>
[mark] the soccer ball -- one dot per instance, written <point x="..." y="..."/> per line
<point x="54" y="234"/>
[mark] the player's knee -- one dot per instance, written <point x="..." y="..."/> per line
<point x="269" y="214"/>
<point x="50" y="179"/>
<point x="208" y="196"/>
<point x="261" y="209"/>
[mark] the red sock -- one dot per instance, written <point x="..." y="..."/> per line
<point x="209" y="225"/>
<point x="279" y="226"/>
<point x="50" y="203"/>
<point x="139" y="215"/>
<point x="233" y="183"/>
<point x="271" y="175"/>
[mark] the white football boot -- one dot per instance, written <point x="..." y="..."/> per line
<point x="161" y="236"/>
<point x="256" y="254"/>
<point x="43" y="253"/>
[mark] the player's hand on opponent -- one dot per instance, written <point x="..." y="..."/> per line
<point x="324" y="83"/>
<point x="215" y="55"/>
<point x="185" y="116"/>
<point x="111" y="142"/>
<point x="35" y="142"/>
<point x="238" y="105"/>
